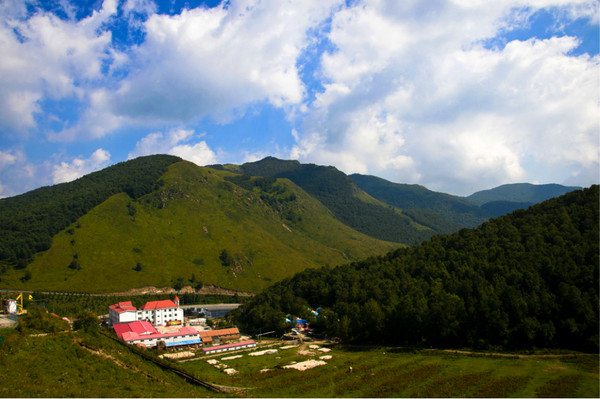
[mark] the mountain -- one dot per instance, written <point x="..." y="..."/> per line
<point x="520" y="192"/>
<point x="343" y="198"/>
<point x="166" y="222"/>
<point x="158" y="220"/>
<point x="444" y="213"/>
<point x="521" y="281"/>
<point x="29" y="221"/>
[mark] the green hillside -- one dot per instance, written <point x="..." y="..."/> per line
<point x="89" y="364"/>
<point x="521" y="281"/>
<point x="343" y="198"/>
<point x="29" y="221"/>
<point x="520" y="192"/>
<point x="195" y="227"/>
<point x="444" y="213"/>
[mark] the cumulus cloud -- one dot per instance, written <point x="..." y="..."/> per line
<point x="413" y="93"/>
<point x="176" y="142"/>
<point x="44" y="56"/>
<point x="214" y="62"/>
<point x="68" y="171"/>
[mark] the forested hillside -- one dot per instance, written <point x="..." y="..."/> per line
<point x="525" y="280"/>
<point x="339" y="194"/>
<point x="444" y="213"/>
<point x="29" y="221"/>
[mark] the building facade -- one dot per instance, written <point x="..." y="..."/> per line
<point x="161" y="313"/>
<point x="122" y="312"/>
<point x="158" y="313"/>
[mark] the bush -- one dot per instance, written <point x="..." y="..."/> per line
<point x="38" y="320"/>
<point x="86" y="321"/>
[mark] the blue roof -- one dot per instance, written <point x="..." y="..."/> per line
<point x="186" y="342"/>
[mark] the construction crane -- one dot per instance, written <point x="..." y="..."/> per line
<point x="20" y="304"/>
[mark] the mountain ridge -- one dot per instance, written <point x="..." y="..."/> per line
<point x="332" y="218"/>
<point x="194" y="228"/>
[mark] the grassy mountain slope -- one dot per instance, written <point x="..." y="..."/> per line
<point x="342" y="197"/>
<point x="524" y="280"/>
<point x="195" y="227"/>
<point x="520" y="192"/>
<point x="29" y="221"/>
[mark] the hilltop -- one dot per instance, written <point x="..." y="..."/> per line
<point x="405" y="213"/>
<point x="160" y="221"/>
<point x="191" y="226"/>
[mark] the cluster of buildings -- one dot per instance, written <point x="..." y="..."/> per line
<point x="159" y="322"/>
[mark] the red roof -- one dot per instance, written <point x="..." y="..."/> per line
<point x="165" y="304"/>
<point x="123" y="307"/>
<point x="220" y="333"/>
<point x="136" y="327"/>
<point x="144" y="330"/>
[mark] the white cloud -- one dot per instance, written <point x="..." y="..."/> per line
<point x="214" y="62"/>
<point x="45" y="56"/>
<point x="199" y="153"/>
<point x="175" y="142"/>
<point x="17" y="174"/>
<point x="413" y="95"/>
<point x="68" y="171"/>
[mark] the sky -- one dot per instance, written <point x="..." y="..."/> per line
<point x="455" y="95"/>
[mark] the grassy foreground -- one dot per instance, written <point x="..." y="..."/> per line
<point x="385" y="372"/>
<point x="84" y="365"/>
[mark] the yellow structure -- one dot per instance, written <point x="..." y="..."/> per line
<point x="20" y="304"/>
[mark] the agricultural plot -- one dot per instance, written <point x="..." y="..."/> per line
<point x="304" y="371"/>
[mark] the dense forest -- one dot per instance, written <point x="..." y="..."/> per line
<point x="337" y="192"/>
<point x="29" y="221"/>
<point x="522" y="281"/>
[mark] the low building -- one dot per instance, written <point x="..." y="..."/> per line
<point x="122" y="312"/>
<point x="229" y="347"/>
<point x="144" y="333"/>
<point x="215" y="336"/>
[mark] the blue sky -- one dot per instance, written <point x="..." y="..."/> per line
<point x="458" y="96"/>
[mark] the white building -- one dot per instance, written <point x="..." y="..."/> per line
<point x="159" y="313"/>
<point x="122" y="312"/>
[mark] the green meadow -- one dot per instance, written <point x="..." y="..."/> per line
<point x="88" y="364"/>
<point x="389" y="372"/>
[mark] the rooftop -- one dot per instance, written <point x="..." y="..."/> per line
<point x="144" y="330"/>
<point x="164" y="304"/>
<point x="123" y="307"/>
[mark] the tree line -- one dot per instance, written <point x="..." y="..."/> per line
<point x="29" y="221"/>
<point x="521" y="281"/>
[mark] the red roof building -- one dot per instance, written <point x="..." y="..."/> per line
<point x="156" y="312"/>
<point x="122" y="312"/>
<point x="143" y="332"/>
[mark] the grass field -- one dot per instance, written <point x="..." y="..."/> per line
<point x="86" y="365"/>
<point x="385" y="372"/>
